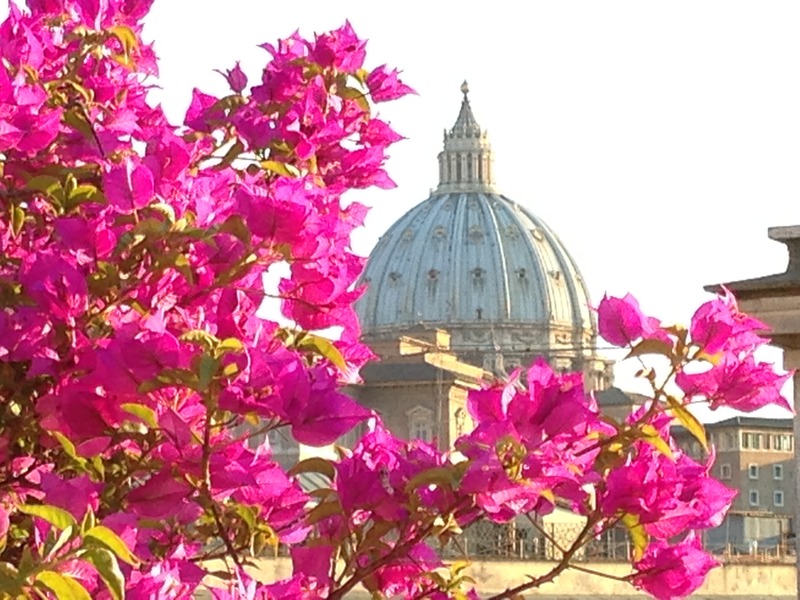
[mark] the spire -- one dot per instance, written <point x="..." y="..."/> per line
<point x="466" y="163"/>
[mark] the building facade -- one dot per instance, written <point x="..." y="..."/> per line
<point x="754" y="456"/>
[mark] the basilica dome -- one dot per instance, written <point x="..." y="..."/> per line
<point x="479" y="265"/>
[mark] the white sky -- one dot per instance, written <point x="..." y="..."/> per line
<point x="658" y="139"/>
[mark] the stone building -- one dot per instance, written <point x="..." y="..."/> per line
<point x="481" y="267"/>
<point x="756" y="457"/>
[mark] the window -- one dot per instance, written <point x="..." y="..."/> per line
<point x="746" y="440"/>
<point x="777" y="471"/>
<point x="421" y="431"/>
<point x="777" y="498"/>
<point x="730" y="440"/>
<point x="752" y="471"/>
<point x="753" y="497"/>
<point x="782" y="443"/>
<point x="725" y="471"/>
<point x="421" y="424"/>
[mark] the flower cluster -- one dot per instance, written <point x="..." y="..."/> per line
<point x="655" y="489"/>
<point x="134" y="373"/>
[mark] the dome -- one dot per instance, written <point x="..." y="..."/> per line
<point x="472" y="258"/>
<point x="479" y="265"/>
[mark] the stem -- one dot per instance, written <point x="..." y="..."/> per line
<point x="206" y="470"/>
<point x="600" y="573"/>
<point x="398" y="550"/>
<point x="562" y="566"/>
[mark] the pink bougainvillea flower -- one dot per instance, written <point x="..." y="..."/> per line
<point x="673" y="572"/>
<point x="741" y="383"/>
<point x="384" y="85"/>
<point x="129" y="186"/>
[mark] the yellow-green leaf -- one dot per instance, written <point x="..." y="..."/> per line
<point x="323" y="347"/>
<point x="126" y="37"/>
<point x="64" y="587"/>
<point x="47" y="184"/>
<point x="231" y="344"/>
<point x="651" y="436"/>
<point x="314" y="464"/>
<point x="107" y="567"/>
<point x="639" y="537"/>
<point x="689" y="421"/>
<point x="57" y="517"/>
<point x="113" y="542"/>
<point x="280" y="168"/>
<point x="17" y="219"/>
<point x="66" y="444"/>
<point x="651" y="346"/>
<point x="145" y="413"/>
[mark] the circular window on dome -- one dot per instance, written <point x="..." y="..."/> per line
<point x="440" y="233"/>
<point x="512" y="232"/>
<point x="522" y="273"/>
<point x="475" y="234"/>
<point x="394" y="276"/>
<point x="433" y="274"/>
<point x="477" y="273"/>
<point x="408" y="235"/>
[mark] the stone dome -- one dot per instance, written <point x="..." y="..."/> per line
<point x="479" y="265"/>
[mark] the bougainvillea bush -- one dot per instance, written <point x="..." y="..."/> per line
<point x="137" y="382"/>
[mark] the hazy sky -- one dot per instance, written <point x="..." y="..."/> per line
<point x="658" y="139"/>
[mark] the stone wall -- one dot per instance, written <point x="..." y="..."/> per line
<point x="729" y="581"/>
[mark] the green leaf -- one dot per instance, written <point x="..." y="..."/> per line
<point x="652" y="346"/>
<point x="207" y="369"/>
<point x="689" y="421"/>
<point x="145" y="413"/>
<point x="65" y="536"/>
<point x="88" y="521"/>
<point x="108" y="568"/>
<point x="231" y="155"/>
<point x="201" y="337"/>
<point x="68" y="446"/>
<point x="57" y="517"/>
<point x="236" y="226"/>
<point x="64" y="587"/>
<point x="323" y="511"/>
<point x="438" y="476"/>
<point x="75" y="119"/>
<point x="314" y="464"/>
<point x="113" y="542"/>
<point x="323" y="347"/>
<point x="46" y="184"/>
<point x="639" y="537"/>
<point x="82" y="194"/>
<point x="184" y="267"/>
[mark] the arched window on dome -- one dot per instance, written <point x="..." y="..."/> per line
<point x="469" y="167"/>
<point x="420" y="424"/>
<point x="458" y="168"/>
